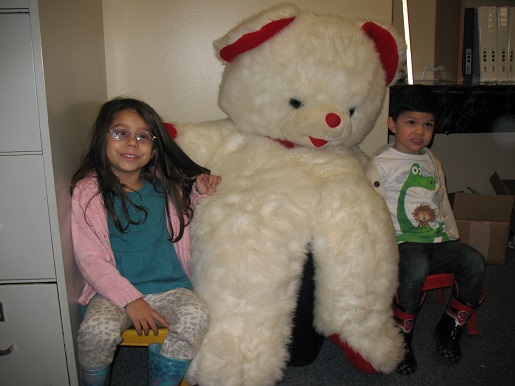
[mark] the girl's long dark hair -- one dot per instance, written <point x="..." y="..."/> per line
<point x="169" y="165"/>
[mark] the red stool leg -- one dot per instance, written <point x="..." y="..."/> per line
<point x="471" y="325"/>
<point x="441" y="281"/>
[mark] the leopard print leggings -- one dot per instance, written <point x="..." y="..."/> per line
<point x="103" y="324"/>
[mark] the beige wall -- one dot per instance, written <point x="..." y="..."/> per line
<point x="72" y="41"/>
<point x="161" y="50"/>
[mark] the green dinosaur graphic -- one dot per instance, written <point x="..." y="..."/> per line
<point x="424" y="233"/>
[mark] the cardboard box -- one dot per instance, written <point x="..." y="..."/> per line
<point x="504" y="187"/>
<point x="484" y="222"/>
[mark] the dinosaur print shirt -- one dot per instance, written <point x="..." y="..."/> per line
<point x="412" y="195"/>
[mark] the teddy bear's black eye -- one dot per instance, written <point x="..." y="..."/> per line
<point x="295" y="103"/>
<point x="352" y="111"/>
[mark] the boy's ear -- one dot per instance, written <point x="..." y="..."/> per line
<point x="391" y="125"/>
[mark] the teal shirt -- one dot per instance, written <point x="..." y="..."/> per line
<point x="143" y="253"/>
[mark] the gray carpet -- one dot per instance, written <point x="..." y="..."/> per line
<point x="488" y="358"/>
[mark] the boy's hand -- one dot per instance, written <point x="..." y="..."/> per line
<point x="144" y="317"/>
<point x="206" y="183"/>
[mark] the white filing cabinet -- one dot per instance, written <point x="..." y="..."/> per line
<point x="40" y="145"/>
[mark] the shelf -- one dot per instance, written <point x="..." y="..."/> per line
<point x="449" y="39"/>
<point x="474" y="108"/>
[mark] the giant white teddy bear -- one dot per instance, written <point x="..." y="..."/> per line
<point x="301" y="91"/>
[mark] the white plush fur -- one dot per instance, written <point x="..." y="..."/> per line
<point x="251" y="236"/>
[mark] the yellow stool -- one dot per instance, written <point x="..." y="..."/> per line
<point x="131" y="338"/>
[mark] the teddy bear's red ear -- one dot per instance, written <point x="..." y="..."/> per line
<point x="170" y="129"/>
<point x="386" y="46"/>
<point x="251" y="40"/>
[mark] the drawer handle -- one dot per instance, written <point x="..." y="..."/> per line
<point x="7" y="351"/>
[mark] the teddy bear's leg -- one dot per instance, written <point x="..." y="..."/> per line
<point x="251" y="303"/>
<point x="356" y="278"/>
<point x="247" y="345"/>
<point x="306" y="342"/>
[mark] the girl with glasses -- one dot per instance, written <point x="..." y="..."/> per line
<point x="132" y="200"/>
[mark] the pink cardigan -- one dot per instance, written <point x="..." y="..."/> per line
<point x="93" y="251"/>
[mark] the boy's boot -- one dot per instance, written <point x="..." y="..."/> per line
<point x="450" y="328"/>
<point x="405" y="320"/>
<point x="98" y="377"/>
<point x="164" y="371"/>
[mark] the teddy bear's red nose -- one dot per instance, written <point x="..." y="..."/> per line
<point x="333" y="120"/>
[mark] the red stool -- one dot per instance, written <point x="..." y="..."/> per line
<point x="440" y="282"/>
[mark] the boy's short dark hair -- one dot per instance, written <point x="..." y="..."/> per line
<point x="415" y="97"/>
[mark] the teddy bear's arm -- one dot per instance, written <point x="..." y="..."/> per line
<point x="201" y="141"/>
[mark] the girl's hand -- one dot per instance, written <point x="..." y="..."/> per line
<point x="144" y="317"/>
<point x="206" y="183"/>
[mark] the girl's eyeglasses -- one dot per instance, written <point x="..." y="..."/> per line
<point x="143" y="137"/>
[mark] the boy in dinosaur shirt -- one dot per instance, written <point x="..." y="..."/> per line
<point x="412" y="182"/>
